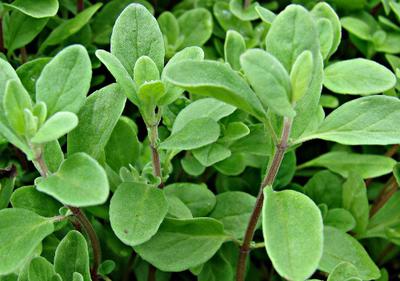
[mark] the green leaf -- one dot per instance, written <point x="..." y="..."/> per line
<point x="77" y="277"/>
<point x="211" y="154"/>
<point x="344" y="271"/>
<point x="150" y="93"/>
<point x="217" y="80"/>
<point x="123" y="147"/>
<point x="53" y="155"/>
<point x="366" y="120"/>
<point x="196" y="27"/>
<point x="217" y="268"/>
<point x="358" y="77"/>
<point x="396" y="172"/>
<point x="246" y="14"/>
<point x="136" y="212"/>
<point x="193" y="135"/>
<point x="301" y="75"/>
<point x="235" y="131"/>
<point x="169" y="26"/>
<point x="29" y="72"/>
<point x="343" y="163"/>
<point x="120" y="74"/>
<point x="15" y="101"/>
<point x="325" y="31"/>
<point x="269" y="80"/>
<point x="135" y="34"/>
<point x="65" y="80"/>
<point x="192" y="166"/>
<point x="79" y="182"/>
<point x="232" y="166"/>
<point x="27" y="197"/>
<point x="293" y="233"/>
<point x="70" y="27"/>
<point x="36" y="8"/>
<point x="257" y="142"/>
<point x="22" y="231"/>
<point x="177" y="209"/>
<point x="358" y="27"/>
<point x="97" y="119"/>
<point x="325" y="187"/>
<point x="265" y="15"/>
<point x="145" y="70"/>
<point x="55" y="127"/>
<point x="199" y="199"/>
<point x="341" y="247"/>
<point x="7" y="184"/>
<point x="340" y="218"/>
<point x="355" y="200"/>
<point x="41" y="269"/>
<point x="72" y="256"/>
<point x="20" y="30"/>
<point x="182" y="244"/>
<point x="234" y="46"/>
<point x="234" y="209"/>
<point x="202" y="108"/>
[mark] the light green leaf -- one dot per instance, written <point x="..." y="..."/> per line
<point x="202" y="108"/>
<point x="72" y="256"/>
<point x="150" y="93"/>
<point x="329" y="101"/>
<point x="79" y="182"/>
<point x="145" y="70"/>
<point x="65" y="80"/>
<point x="216" y="269"/>
<point x="293" y="233"/>
<point x="232" y="166"/>
<point x="196" y="27"/>
<point x="234" y="46"/>
<point x="355" y="200"/>
<point x="20" y="29"/>
<point x="169" y="26"/>
<point x="343" y="163"/>
<point x="301" y="75"/>
<point x="135" y="34"/>
<point x="217" y="80"/>
<point x="181" y="244"/>
<point x="27" y="197"/>
<point x="340" y="218"/>
<point x="36" y="8"/>
<point x="257" y="142"/>
<point x="191" y="166"/>
<point x="341" y="247"/>
<point x="16" y="99"/>
<point x="269" y="80"/>
<point x="77" y="277"/>
<point x="97" y="119"/>
<point x="29" y="72"/>
<point x="235" y="131"/>
<point x="344" y="271"/>
<point x="265" y="15"/>
<point x="228" y="21"/>
<point x="21" y="232"/>
<point x="211" y="154"/>
<point x="41" y="269"/>
<point x="120" y="74"/>
<point x="136" y="212"/>
<point x="325" y="187"/>
<point x="193" y="135"/>
<point x="199" y="199"/>
<point x="358" y="77"/>
<point x="358" y="27"/>
<point x="55" y="127"/>
<point x="396" y="172"/>
<point x="325" y="31"/>
<point x="234" y="209"/>
<point x="246" y="14"/>
<point x="366" y="120"/>
<point x="177" y="209"/>
<point x="70" y="27"/>
<point x="53" y="155"/>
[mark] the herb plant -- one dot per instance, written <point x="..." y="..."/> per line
<point x="199" y="140"/>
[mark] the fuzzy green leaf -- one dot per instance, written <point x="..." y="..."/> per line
<point x="195" y="26"/>
<point x="234" y="46"/>
<point x="36" y="8"/>
<point x="41" y="269"/>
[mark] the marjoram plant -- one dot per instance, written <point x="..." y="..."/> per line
<point x="104" y="191"/>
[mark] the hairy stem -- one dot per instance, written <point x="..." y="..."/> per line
<point x="269" y="179"/>
<point x="387" y="191"/>
<point x="246" y="3"/>
<point x="24" y="55"/>
<point x="41" y="166"/>
<point x="79" y="5"/>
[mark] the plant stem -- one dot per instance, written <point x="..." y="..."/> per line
<point x="2" y="49"/>
<point x="24" y="55"/>
<point x="387" y="191"/>
<point x="246" y="3"/>
<point x="79" y="5"/>
<point x="269" y="179"/>
<point x="41" y="166"/>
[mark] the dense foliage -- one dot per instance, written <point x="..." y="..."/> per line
<point x="208" y="140"/>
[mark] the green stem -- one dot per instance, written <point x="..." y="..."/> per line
<point x="2" y="49"/>
<point x="269" y="179"/>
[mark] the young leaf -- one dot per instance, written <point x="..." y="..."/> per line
<point x="293" y="233"/>
<point x="269" y="80"/>
<point x="53" y="155"/>
<point x="344" y="271"/>
<point x="21" y="232"/>
<point x="193" y="135"/>
<point x="358" y="77"/>
<point x="366" y="120"/>
<point x="343" y="163"/>
<point x="79" y="182"/>
<point x="217" y="80"/>
<point x="36" y="8"/>
<point x="341" y="247"/>
<point x="233" y="209"/>
<point x="72" y="256"/>
<point x="340" y="218"/>
<point x="145" y="70"/>
<point x="234" y="46"/>
<point x="41" y="269"/>
<point x="97" y="119"/>
<point x="29" y="72"/>
<point x="136" y="212"/>
<point x="169" y="26"/>
<point x="177" y="209"/>
<point x="301" y="75"/>
<point x="355" y="200"/>
<point x="55" y="127"/>
<point x="135" y="34"/>
<point x="195" y="26"/>
<point x="211" y="154"/>
<point x="65" y="80"/>
<point x="247" y="13"/>
<point x="16" y="100"/>
<point x="199" y="199"/>
<point x="182" y="244"/>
